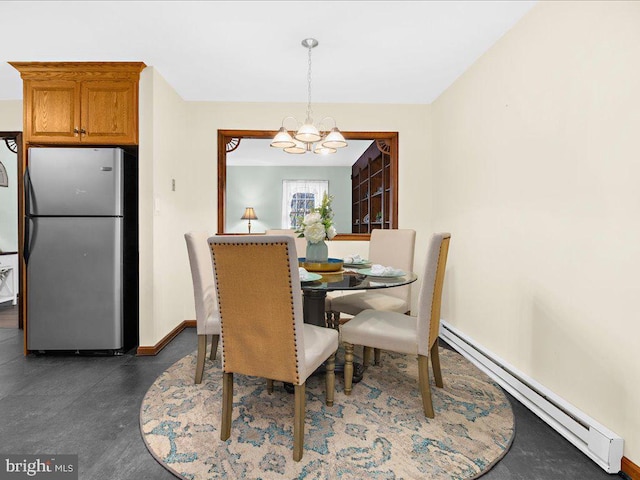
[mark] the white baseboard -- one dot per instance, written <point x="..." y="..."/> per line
<point x="593" y="439"/>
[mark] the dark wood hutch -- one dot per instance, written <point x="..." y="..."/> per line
<point x="372" y="189"/>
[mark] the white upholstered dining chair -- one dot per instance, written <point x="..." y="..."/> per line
<point x="301" y="243"/>
<point x="263" y="333"/>
<point x="204" y="294"/>
<point x="403" y="333"/>
<point x="393" y="248"/>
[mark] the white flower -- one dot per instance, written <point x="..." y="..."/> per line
<point x="311" y="218"/>
<point x="315" y="232"/>
<point x="317" y="225"/>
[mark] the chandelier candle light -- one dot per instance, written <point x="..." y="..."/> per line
<point x="326" y="141"/>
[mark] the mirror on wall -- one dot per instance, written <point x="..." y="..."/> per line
<point x="362" y="178"/>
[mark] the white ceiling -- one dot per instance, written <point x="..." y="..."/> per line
<point x="246" y="51"/>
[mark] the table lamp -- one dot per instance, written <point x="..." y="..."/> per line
<point x="249" y="214"/>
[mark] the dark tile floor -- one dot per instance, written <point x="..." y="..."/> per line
<point x="8" y="315"/>
<point x="89" y="406"/>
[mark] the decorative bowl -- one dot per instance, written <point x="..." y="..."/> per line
<point x="332" y="265"/>
<point x="333" y="277"/>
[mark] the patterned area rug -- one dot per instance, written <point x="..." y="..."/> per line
<point x="379" y="432"/>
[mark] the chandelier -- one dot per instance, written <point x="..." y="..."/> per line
<point x="308" y="137"/>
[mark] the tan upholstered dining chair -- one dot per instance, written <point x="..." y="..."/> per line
<point x="393" y="248"/>
<point x="204" y="294"/>
<point x="262" y="327"/>
<point x="403" y="333"/>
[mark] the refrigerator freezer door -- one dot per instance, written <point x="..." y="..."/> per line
<point x="75" y="181"/>
<point x="74" y="280"/>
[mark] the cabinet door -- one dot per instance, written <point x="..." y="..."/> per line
<point x="52" y="111"/>
<point x="109" y="112"/>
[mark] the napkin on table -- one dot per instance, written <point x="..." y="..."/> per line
<point x="377" y="269"/>
<point x="355" y="258"/>
<point x="304" y="275"/>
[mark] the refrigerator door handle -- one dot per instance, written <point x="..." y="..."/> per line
<point x="27" y="191"/>
<point x="27" y="220"/>
<point x="26" y="251"/>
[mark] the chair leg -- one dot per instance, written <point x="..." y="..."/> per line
<point x="227" y="405"/>
<point x="425" y="390"/>
<point x="298" y="422"/>
<point x="269" y="386"/>
<point x="376" y="356"/>
<point x="202" y="352"/>
<point x="214" y="346"/>
<point x="348" y="367"/>
<point x="333" y="319"/>
<point x="366" y="356"/>
<point x="330" y="367"/>
<point x="435" y="364"/>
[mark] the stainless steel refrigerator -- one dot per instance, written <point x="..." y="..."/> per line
<point x="74" y="249"/>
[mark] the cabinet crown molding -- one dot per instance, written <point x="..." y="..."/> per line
<point x="79" y="70"/>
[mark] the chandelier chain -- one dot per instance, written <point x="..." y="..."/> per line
<point x="309" y="111"/>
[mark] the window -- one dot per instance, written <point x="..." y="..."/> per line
<point x="299" y="197"/>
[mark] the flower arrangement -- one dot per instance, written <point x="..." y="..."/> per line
<point x="317" y="225"/>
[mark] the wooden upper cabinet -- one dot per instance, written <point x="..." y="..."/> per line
<point x="51" y="110"/>
<point x="84" y="102"/>
<point x="109" y="112"/>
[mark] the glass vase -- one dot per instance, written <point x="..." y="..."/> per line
<point x="317" y="252"/>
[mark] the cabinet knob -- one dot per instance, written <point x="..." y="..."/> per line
<point x="83" y="132"/>
<point x="76" y="132"/>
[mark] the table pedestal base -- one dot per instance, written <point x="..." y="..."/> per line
<point x="313" y="307"/>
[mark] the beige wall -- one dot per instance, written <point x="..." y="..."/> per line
<point x="10" y="115"/>
<point x="164" y="213"/>
<point x="536" y="168"/>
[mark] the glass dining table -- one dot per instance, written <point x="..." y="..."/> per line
<point x="314" y="294"/>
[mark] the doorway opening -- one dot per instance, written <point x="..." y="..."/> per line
<point x="10" y="229"/>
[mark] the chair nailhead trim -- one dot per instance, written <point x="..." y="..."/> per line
<point x="293" y="316"/>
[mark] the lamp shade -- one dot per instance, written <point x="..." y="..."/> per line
<point x="249" y="214"/>
<point x="322" y="149"/>
<point x="282" y="139"/>
<point x="298" y="148"/>
<point x="308" y="133"/>
<point x="334" y="139"/>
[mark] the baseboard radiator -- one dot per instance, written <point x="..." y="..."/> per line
<point x="596" y="441"/>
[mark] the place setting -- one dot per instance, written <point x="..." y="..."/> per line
<point x="355" y="261"/>
<point x="382" y="271"/>
<point x="361" y="266"/>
